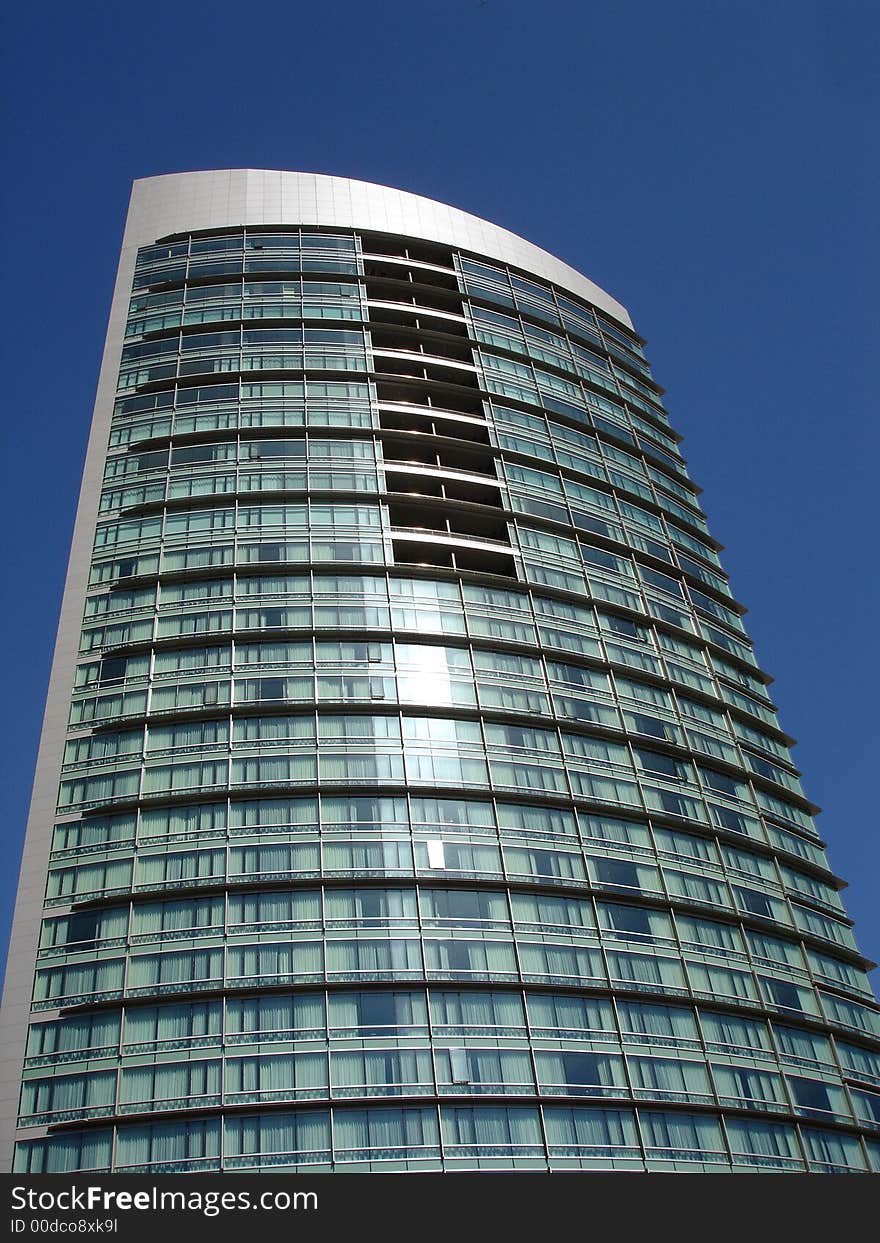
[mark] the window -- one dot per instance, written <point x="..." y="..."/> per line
<point x="783" y="994"/>
<point x="636" y="919"/>
<point x="83" y="929"/>
<point x="754" y="902"/>
<point x="272" y="688"/>
<point x="112" y="670"/>
<point x="809" y="1094"/>
<point x="616" y="872"/>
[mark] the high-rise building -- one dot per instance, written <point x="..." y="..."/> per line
<point x="409" y="797"/>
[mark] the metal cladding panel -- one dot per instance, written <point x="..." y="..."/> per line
<point x="232" y="197"/>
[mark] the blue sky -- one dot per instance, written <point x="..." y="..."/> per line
<point x="713" y="164"/>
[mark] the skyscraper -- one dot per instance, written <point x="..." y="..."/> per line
<point x="409" y="796"/>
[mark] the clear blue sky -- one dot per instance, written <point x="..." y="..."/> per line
<point x="713" y="164"/>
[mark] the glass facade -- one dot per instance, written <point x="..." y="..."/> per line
<point x="422" y="805"/>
